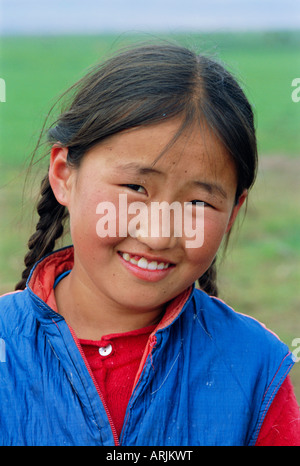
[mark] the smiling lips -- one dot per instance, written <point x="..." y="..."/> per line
<point x="145" y="264"/>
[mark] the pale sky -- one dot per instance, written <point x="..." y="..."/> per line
<point x="97" y="16"/>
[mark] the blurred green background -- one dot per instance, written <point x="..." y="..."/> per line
<point x="260" y="273"/>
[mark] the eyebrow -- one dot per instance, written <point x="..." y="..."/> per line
<point x="138" y="169"/>
<point x="212" y="188"/>
<point x="133" y="167"/>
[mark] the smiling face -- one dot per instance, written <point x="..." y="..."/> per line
<point x="142" y="273"/>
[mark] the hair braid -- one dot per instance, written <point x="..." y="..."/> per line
<point x="48" y="229"/>
<point x="208" y="281"/>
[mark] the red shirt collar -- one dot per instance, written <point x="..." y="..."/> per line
<point x="48" y="269"/>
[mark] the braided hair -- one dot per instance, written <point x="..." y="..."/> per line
<point x="142" y="86"/>
<point x="48" y="229"/>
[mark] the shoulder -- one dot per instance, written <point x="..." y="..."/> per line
<point x="243" y="343"/>
<point x="235" y="328"/>
<point x="14" y="313"/>
<point x="9" y="301"/>
<point x="245" y="350"/>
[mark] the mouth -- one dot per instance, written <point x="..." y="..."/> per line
<point x="145" y="263"/>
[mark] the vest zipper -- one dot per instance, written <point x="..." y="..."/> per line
<point x="112" y="426"/>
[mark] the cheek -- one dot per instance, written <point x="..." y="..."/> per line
<point x="201" y="257"/>
<point x="95" y="218"/>
<point x="215" y="225"/>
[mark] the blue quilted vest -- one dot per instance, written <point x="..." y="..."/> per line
<point x="208" y="378"/>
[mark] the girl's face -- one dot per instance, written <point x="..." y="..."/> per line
<point x="117" y="267"/>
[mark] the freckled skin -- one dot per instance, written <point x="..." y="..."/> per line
<point x="100" y="292"/>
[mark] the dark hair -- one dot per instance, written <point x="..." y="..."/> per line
<point x="142" y="86"/>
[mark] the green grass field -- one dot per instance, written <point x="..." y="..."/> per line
<point x="260" y="274"/>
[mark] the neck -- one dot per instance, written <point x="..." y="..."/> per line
<point x="92" y="315"/>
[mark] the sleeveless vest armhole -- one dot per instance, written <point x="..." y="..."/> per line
<point x="271" y="391"/>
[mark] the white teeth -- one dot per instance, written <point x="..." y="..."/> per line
<point x="152" y="265"/>
<point x="144" y="264"/>
<point x="133" y="261"/>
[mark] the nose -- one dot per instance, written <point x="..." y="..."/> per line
<point x="160" y="228"/>
<point x="157" y="243"/>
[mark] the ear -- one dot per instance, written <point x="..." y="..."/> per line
<point x="236" y="209"/>
<point x="60" y="174"/>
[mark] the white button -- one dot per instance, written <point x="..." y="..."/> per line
<point x="105" y="350"/>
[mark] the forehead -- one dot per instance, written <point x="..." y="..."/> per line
<point x="164" y="147"/>
<point x="194" y="159"/>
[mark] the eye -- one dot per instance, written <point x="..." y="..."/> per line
<point x="198" y="203"/>
<point x="136" y="187"/>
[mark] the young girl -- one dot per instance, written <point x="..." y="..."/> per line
<point x="108" y="342"/>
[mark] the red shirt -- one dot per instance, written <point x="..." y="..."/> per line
<point x="115" y="359"/>
<point x="115" y="371"/>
